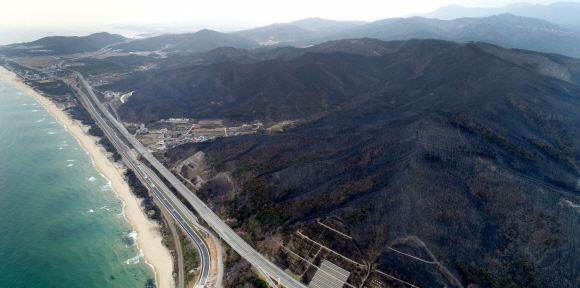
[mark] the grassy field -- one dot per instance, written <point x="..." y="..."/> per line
<point x="39" y="61"/>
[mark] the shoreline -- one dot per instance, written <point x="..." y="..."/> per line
<point x="148" y="237"/>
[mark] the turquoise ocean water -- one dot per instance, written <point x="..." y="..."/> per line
<point x="61" y="224"/>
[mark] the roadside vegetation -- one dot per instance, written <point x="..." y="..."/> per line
<point x="105" y="142"/>
<point x="238" y="272"/>
<point x="189" y="250"/>
<point x="142" y="192"/>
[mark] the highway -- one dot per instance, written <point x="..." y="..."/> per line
<point x="190" y="217"/>
<point x="136" y="166"/>
<point x="178" y="249"/>
<point x="160" y="190"/>
<point x="223" y="230"/>
<point x="133" y="163"/>
<point x="205" y="258"/>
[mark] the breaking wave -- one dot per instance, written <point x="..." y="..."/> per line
<point x="134" y="260"/>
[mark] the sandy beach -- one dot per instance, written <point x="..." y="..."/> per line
<point x="148" y="235"/>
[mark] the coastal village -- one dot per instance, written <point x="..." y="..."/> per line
<point x="157" y="136"/>
<point x="48" y="64"/>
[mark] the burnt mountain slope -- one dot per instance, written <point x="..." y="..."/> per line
<point x="366" y="47"/>
<point x="321" y="78"/>
<point x="237" y="91"/>
<point x="463" y="155"/>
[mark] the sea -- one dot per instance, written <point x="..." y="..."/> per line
<point x="61" y="223"/>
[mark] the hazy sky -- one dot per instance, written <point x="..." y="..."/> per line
<point x="55" y="13"/>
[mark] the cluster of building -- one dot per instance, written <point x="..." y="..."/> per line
<point x="166" y="139"/>
<point x="30" y="75"/>
<point x="97" y="82"/>
<point x="182" y="131"/>
<point x="72" y="64"/>
<point x="179" y="139"/>
<point x="51" y="69"/>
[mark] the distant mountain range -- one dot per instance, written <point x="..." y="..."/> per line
<point x="325" y="26"/>
<point x="559" y="12"/>
<point x="298" y="32"/>
<point x="505" y="30"/>
<point x="282" y="34"/>
<point x="60" y="45"/>
<point x="278" y="34"/>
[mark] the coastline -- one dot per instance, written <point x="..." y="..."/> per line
<point x="148" y="236"/>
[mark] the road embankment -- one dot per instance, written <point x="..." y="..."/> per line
<point x="148" y="235"/>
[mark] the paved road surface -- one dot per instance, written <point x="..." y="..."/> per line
<point x="135" y="165"/>
<point x="180" y="269"/>
<point x="190" y="217"/>
<point x="204" y="252"/>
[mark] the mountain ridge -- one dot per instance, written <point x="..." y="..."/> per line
<point x="59" y="45"/>
<point x="558" y="12"/>
<point x="506" y="30"/>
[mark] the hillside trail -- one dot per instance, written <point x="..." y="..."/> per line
<point x="452" y="280"/>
